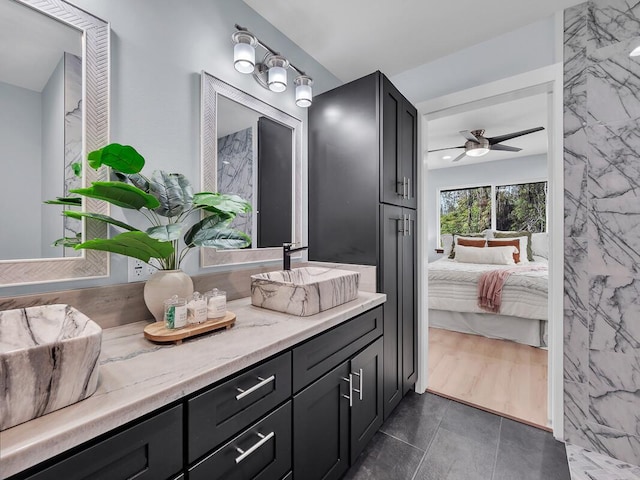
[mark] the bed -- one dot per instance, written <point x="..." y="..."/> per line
<point x="523" y="312"/>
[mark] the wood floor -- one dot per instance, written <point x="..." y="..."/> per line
<point x="497" y="375"/>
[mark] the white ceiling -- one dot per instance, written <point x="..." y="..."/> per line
<point x="498" y="119"/>
<point x="33" y="44"/>
<point x="352" y="38"/>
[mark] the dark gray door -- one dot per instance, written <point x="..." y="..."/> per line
<point x="408" y="304"/>
<point x="275" y="183"/>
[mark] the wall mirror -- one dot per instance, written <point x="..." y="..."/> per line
<point x="54" y="105"/>
<point x="253" y="150"/>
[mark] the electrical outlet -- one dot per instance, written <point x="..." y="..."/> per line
<point x="138" y="271"/>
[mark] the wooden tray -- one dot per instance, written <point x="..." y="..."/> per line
<point x="157" y="332"/>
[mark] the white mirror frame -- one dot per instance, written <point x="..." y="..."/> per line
<point x="95" y="89"/>
<point x="211" y="87"/>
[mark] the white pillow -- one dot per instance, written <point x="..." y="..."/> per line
<point x="540" y="244"/>
<point x="492" y="255"/>
<point x="524" y="241"/>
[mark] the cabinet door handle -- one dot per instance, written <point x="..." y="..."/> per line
<point x="409" y="225"/>
<point x="401" y="229"/>
<point x="350" y="396"/>
<point x="263" y="382"/>
<point x="408" y="188"/>
<point x="245" y="453"/>
<point x="403" y="187"/>
<point x="406" y="225"/>
<point x="359" y="389"/>
<point x="405" y="190"/>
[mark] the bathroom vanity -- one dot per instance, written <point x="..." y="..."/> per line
<point x="275" y="395"/>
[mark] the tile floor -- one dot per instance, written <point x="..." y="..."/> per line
<point x="429" y="437"/>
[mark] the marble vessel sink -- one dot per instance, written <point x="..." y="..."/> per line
<point x="48" y="360"/>
<point x="304" y="291"/>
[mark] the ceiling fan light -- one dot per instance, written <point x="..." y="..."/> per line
<point x="477" y="152"/>
<point x="635" y="52"/>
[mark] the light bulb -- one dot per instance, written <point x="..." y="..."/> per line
<point x="477" y="152"/>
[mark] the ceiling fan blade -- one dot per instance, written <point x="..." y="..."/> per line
<point x="505" y="148"/>
<point x="509" y="136"/>
<point x="441" y="149"/>
<point x="460" y="157"/>
<point x="469" y="136"/>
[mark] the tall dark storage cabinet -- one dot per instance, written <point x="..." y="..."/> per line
<point x="362" y="201"/>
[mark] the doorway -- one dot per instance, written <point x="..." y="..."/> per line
<point x="547" y="82"/>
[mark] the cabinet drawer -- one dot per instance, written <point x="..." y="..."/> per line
<point x="221" y="412"/>
<point x="262" y="452"/>
<point x="319" y="355"/>
<point x="149" y="450"/>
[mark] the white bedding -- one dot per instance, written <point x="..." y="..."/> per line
<point x="453" y="286"/>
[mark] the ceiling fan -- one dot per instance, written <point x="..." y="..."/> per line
<point x="477" y="144"/>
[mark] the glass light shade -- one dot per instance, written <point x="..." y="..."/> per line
<point x="477" y="152"/>
<point x="304" y="95"/>
<point x="277" y="80"/>
<point x="635" y="52"/>
<point x="244" y="57"/>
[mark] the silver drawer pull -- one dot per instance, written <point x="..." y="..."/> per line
<point x="350" y="396"/>
<point x="263" y="382"/>
<point x="245" y="453"/>
<point x="359" y="375"/>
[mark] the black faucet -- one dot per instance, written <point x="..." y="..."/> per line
<point x="286" y="254"/>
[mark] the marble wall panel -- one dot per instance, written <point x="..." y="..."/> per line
<point x="615" y="314"/>
<point x="575" y="51"/>
<point x="576" y="280"/>
<point x="613" y="86"/>
<point x="235" y="172"/>
<point x="72" y="139"/>
<point x="576" y="406"/>
<point x="611" y="22"/>
<point x="614" y="390"/>
<point x="575" y="184"/>
<point x="576" y="346"/>
<point x="612" y="442"/>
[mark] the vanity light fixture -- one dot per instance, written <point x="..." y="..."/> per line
<point x="271" y="72"/>
<point x="244" y="51"/>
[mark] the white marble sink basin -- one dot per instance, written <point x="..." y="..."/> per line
<point x="48" y="360"/>
<point x="304" y="291"/>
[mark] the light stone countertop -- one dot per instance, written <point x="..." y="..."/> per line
<point x="137" y="376"/>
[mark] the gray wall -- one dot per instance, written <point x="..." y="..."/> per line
<point x="512" y="53"/>
<point x="20" y="133"/>
<point x="52" y="167"/>
<point x="602" y="233"/>
<point x="158" y="50"/>
<point x="499" y="172"/>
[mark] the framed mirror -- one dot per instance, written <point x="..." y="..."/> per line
<point x="254" y="150"/>
<point x="54" y="108"/>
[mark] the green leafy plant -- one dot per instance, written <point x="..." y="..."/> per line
<point x="166" y="200"/>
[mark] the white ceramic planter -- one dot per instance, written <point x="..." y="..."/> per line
<point x="163" y="285"/>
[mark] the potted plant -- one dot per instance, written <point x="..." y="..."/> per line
<point x="166" y="200"/>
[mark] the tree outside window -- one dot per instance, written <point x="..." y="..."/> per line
<point x="522" y="207"/>
<point x="465" y="210"/>
<point x="518" y="207"/>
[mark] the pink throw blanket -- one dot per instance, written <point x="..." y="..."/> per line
<point x="490" y="286"/>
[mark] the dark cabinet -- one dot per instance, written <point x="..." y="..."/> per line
<point x="262" y="452"/>
<point x="362" y="200"/>
<point x="398" y="281"/>
<point x="399" y="148"/>
<point x="150" y="450"/>
<point x="336" y="416"/>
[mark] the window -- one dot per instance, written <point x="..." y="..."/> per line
<point x="522" y="207"/>
<point x="516" y="207"/>
<point x="465" y="210"/>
